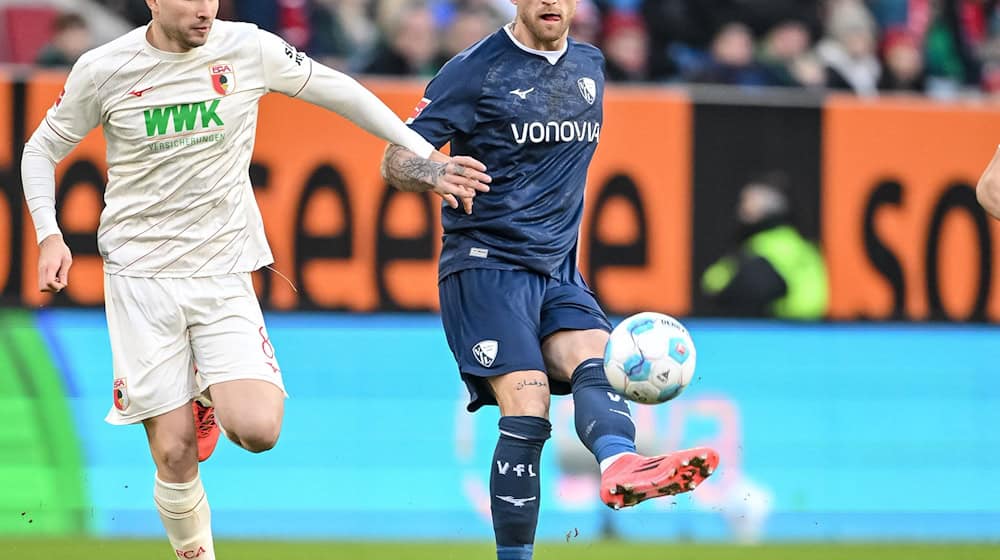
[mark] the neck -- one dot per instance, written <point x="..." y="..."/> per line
<point x="524" y="35"/>
<point x="157" y="36"/>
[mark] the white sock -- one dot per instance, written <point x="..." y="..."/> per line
<point x="183" y="508"/>
<point x="608" y="461"/>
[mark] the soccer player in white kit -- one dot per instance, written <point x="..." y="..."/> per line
<point x="181" y="231"/>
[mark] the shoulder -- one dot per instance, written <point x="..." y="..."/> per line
<point x="477" y="59"/>
<point x="102" y="61"/>
<point x="234" y="30"/>
<point x="586" y="50"/>
<point x="228" y="36"/>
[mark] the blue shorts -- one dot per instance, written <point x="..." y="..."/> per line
<point x="496" y="320"/>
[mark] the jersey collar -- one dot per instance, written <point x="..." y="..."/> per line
<point x="552" y="56"/>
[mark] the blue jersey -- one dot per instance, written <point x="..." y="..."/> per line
<point x="535" y="125"/>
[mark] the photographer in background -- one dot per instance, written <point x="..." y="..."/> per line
<point x="774" y="271"/>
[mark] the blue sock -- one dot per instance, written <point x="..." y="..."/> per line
<point x="515" y="486"/>
<point x="603" y="421"/>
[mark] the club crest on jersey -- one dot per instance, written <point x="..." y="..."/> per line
<point x="121" y="394"/>
<point x="223" y="77"/>
<point x="424" y="102"/>
<point x="485" y="352"/>
<point x="588" y="89"/>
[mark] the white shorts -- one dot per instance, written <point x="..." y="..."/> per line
<point x="172" y="338"/>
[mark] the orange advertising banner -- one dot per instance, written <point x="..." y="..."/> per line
<point x="902" y="231"/>
<point x="10" y="196"/>
<point x="344" y="240"/>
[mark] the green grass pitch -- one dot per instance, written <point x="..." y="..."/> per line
<point x="579" y="550"/>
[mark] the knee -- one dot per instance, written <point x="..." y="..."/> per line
<point x="527" y="407"/>
<point x="257" y="434"/>
<point x="176" y="457"/>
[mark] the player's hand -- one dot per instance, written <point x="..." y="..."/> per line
<point x="54" y="260"/>
<point x="461" y="179"/>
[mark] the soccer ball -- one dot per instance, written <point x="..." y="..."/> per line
<point x="650" y="358"/>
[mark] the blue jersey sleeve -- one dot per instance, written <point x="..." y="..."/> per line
<point x="449" y="103"/>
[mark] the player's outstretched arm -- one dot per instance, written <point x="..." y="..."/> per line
<point x="988" y="189"/>
<point x="288" y="71"/>
<point x="451" y="178"/>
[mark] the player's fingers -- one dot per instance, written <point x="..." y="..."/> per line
<point x="472" y="163"/>
<point x="480" y="186"/>
<point x="469" y="185"/>
<point x="46" y="274"/>
<point x="48" y="280"/>
<point x="54" y="287"/>
<point x="462" y="190"/>
<point x="449" y="199"/>
<point x="457" y="169"/>
<point x="477" y="181"/>
<point x="467" y="205"/>
<point x="62" y="275"/>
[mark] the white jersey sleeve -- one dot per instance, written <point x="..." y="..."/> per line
<point x="286" y="70"/>
<point x="74" y="115"/>
<point x="292" y="73"/>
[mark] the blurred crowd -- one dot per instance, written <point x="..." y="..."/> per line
<point x="941" y="48"/>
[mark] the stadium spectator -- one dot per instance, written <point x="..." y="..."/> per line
<point x="500" y="12"/>
<point x="343" y="34"/>
<point x="626" y="48"/>
<point x="732" y="60"/>
<point x="956" y="43"/>
<point x="890" y="14"/>
<point x="262" y="13"/>
<point x="955" y="31"/>
<point x="70" y="39"/>
<point x="773" y="271"/>
<point x="782" y="45"/>
<point x="586" y="24"/>
<point x="468" y="26"/>
<point x="134" y="11"/>
<point x="903" y="61"/>
<point x="294" y="22"/>
<point x="808" y="71"/>
<point x="409" y="42"/>
<point x="849" y="48"/>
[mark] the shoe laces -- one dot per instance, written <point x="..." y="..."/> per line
<point x="206" y="421"/>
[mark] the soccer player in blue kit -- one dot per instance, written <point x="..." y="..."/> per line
<point x="519" y="318"/>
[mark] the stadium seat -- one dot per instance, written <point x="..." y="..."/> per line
<point x="27" y="30"/>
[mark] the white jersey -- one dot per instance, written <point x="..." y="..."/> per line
<point x="180" y="133"/>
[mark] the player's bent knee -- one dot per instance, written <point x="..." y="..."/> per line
<point x="565" y="350"/>
<point x="176" y="458"/>
<point x="259" y="442"/>
<point x="256" y="435"/>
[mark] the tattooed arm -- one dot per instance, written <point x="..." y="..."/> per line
<point x="451" y="178"/>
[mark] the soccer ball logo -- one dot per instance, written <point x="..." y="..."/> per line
<point x="650" y="358"/>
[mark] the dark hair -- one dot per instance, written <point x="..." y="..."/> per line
<point x="65" y="22"/>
